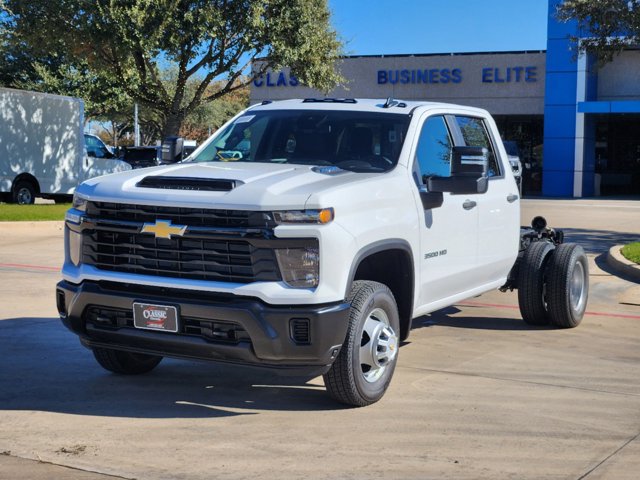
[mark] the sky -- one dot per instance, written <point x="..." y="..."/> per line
<point x="384" y="27"/>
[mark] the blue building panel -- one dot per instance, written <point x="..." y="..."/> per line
<point x="560" y="56"/>
<point x="557" y="29"/>
<point x="594" y="107"/>
<point x="560" y="89"/>
<point x="559" y="154"/>
<point x="560" y="121"/>
<point x="561" y="110"/>
<point x="557" y="183"/>
<point x="628" y="106"/>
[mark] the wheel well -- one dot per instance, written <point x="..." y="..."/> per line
<point x="26" y="177"/>
<point x="394" y="268"/>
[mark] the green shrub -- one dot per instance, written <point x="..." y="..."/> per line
<point x="632" y="252"/>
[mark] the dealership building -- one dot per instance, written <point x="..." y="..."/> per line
<point x="576" y="123"/>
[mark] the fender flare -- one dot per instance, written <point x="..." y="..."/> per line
<point x="27" y="177"/>
<point x="405" y="310"/>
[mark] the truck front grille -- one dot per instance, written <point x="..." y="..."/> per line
<point x="205" y="246"/>
<point x="213" y="259"/>
<point x="195" y="217"/>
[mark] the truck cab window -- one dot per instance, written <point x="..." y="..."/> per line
<point x="433" y="156"/>
<point x="475" y="134"/>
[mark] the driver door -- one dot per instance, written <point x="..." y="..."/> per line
<point x="449" y="233"/>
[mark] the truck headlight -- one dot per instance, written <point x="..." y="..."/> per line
<point x="299" y="267"/>
<point x="78" y="207"/>
<point x="79" y="202"/>
<point x="304" y="216"/>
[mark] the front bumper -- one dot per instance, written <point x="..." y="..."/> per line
<point x="301" y="340"/>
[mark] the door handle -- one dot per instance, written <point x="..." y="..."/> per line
<point x="469" y="204"/>
<point x="512" y="198"/>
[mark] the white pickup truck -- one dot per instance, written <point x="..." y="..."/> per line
<point x="304" y="236"/>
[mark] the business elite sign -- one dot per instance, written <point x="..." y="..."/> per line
<point x="406" y="76"/>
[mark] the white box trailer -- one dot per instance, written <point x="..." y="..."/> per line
<point x="42" y="147"/>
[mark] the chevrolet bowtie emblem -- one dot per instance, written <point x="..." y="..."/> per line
<point x="164" y="229"/>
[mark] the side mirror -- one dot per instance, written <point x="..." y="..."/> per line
<point x="469" y="166"/>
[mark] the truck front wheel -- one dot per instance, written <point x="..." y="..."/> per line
<point x="125" y="363"/>
<point x="568" y="285"/>
<point x="363" y="370"/>
<point x="531" y="283"/>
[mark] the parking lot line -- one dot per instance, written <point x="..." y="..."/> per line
<point x="36" y="267"/>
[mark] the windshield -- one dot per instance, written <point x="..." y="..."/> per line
<point x="357" y="141"/>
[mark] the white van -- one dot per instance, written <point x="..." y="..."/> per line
<point x="42" y="147"/>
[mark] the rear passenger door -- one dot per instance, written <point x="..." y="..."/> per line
<point x="448" y="234"/>
<point x="498" y="209"/>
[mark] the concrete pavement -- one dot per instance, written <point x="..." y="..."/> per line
<point x="477" y="393"/>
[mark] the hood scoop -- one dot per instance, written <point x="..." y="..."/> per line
<point x="189" y="183"/>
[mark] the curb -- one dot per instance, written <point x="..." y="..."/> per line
<point x="621" y="265"/>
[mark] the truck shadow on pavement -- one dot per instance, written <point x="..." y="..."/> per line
<point x="43" y="367"/>
<point x="445" y="318"/>
<point x="598" y="241"/>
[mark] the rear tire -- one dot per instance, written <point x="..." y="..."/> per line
<point x="125" y="363"/>
<point x="23" y="193"/>
<point x="362" y="372"/>
<point x="531" y="283"/>
<point x="568" y="285"/>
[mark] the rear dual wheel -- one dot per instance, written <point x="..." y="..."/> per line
<point x="531" y="283"/>
<point x="568" y="285"/>
<point x="553" y="284"/>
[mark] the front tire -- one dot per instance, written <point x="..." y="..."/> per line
<point x="362" y="372"/>
<point x="568" y="285"/>
<point x="125" y="363"/>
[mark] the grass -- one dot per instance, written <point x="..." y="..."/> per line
<point x="30" y="213"/>
<point x="632" y="252"/>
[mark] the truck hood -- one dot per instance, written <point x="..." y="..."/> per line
<point x="241" y="186"/>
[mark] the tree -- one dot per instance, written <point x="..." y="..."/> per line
<point x="119" y="47"/>
<point x="199" y="123"/>
<point x="607" y="26"/>
<point x="207" y="118"/>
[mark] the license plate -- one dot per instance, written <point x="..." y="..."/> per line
<point x="162" y="318"/>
